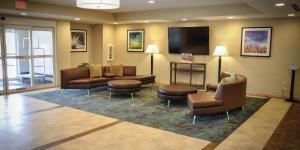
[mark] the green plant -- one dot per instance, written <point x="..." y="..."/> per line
<point x="84" y="65"/>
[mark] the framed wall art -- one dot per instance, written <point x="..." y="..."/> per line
<point x="79" y="40"/>
<point x="110" y="52"/>
<point x="256" y="41"/>
<point x="135" y="40"/>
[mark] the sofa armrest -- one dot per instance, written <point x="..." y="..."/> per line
<point x="211" y="87"/>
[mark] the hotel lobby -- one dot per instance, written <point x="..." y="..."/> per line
<point x="149" y="74"/>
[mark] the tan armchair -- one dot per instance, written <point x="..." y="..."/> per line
<point x="230" y="95"/>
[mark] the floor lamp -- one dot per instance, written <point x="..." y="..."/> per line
<point x="152" y="49"/>
<point x="220" y="51"/>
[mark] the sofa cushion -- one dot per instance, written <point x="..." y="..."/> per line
<point x="138" y="77"/>
<point x="117" y="70"/>
<point x="109" y="75"/>
<point x="129" y="71"/>
<point x="89" y="80"/>
<point x="95" y="71"/>
<point x="203" y="99"/>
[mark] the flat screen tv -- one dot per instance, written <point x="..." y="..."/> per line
<point x="193" y="40"/>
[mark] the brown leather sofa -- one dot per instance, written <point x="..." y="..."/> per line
<point x="79" y="78"/>
<point x="230" y="96"/>
<point x="129" y="73"/>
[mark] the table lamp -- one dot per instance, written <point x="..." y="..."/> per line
<point x="152" y="49"/>
<point x="220" y="51"/>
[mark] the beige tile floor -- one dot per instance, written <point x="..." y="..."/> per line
<point x="257" y="130"/>
<point x="16" y="105"/>
<point x="134" y="137"/>
<point x="27" y="123"/>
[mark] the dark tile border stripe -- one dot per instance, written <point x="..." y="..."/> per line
<point x="211" y="146"/>
<point x="58" y="142"/>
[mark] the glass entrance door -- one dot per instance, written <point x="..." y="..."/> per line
<point x="28" y="57"/>
<point x="18" y="62"/>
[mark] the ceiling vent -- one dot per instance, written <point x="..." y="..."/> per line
<point x="295" y="7"/>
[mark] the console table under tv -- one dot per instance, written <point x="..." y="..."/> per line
<point x="191" y="68"/>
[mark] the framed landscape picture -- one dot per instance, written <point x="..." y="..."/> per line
<point x="135" y="40"/>
<point x="79" y="40"/>
<point x="256" y="41"/>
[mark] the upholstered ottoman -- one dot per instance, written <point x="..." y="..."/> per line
<point x="175" y="92"/>
<point x="124" y="87"/>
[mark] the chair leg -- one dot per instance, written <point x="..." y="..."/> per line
<point x="88" y="91"/>
<point x="227" y="115"/>
<point x="243" y="108"/>
<point x="62" y="92"/>
<point x="131" y="95"/>
<point x="109" y="96"/>
<point x="169" y="103"/>
<point x="194" y="120"/>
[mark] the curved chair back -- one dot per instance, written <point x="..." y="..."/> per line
<point x="233" y="94"/>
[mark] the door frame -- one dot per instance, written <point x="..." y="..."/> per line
<point x="3" y="67"/>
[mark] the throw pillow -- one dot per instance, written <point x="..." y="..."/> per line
<point x="232" y="78"/>
<point x="95" y="71"/>
<point x="117" y="70"/>
<point x="218" y="91"/>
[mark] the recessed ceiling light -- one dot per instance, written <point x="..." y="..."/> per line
<point x="151" y="2"/>
<point x="77" y="19"/>
<point x="115" y="23"/>
<point x="23" y="14"/>
<point x="279" y="4"/>
<point x="291" y="15"/>
<point x="230" y="17"/>
<point x="184" y="19"/>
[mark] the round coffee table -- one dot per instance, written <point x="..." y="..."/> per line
<point x="175" y="92"/>
<point x="123" y="87"/>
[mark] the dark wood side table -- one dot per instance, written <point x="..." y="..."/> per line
<point x="192" y="68"/>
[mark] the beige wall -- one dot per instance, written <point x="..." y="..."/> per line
<point x="265" y="75"/>
<point x="108" y="38"/>
<point x="97" y="57"/>
<point x="63" y="46"/>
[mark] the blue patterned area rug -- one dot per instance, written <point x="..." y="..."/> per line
<point x="148" y="110"/>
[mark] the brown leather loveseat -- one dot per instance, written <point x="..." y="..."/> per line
<point x="79" y="78"/>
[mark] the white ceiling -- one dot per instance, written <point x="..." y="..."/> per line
<point x="139" y="5"/>
<point x="163" y="10"/>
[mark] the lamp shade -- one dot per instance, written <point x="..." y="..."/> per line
<point x="98" y="4"/>
<point x="220" y="51"/>
<point x="152" y="49"/>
